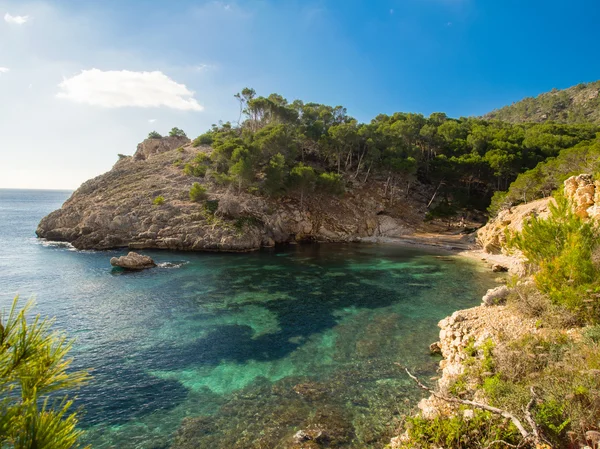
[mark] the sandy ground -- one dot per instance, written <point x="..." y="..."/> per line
<point x="459" y="244"/>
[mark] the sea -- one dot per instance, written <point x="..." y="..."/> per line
<point x="223" y="350"/>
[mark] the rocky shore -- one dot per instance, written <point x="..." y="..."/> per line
<point x="466" y="333"/>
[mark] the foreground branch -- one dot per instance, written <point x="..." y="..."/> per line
<point x="527" y="436"/>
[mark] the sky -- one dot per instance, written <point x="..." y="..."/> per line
<point x="82" y="81"/>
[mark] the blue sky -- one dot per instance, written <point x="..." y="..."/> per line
<point x="77" y="88"/>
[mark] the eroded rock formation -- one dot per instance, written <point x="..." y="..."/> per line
<point x="118" y="209"/>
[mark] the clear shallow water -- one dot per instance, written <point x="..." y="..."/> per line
<point x="258" y="345"/>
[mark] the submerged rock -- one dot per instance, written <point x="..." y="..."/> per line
<point x="133" y="261"/>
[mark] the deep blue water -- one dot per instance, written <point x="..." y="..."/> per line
<point x="196" y="334"/>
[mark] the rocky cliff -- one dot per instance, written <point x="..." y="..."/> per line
<point x="581" y="190"/>
<point x="144" y="202"/>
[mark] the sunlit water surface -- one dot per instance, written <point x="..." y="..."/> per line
<point x="252" y="347"/>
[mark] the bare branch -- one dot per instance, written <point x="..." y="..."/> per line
<point x="500" y="442"/>
<point x="524" y="433"/>
<point x="529" y="417"/>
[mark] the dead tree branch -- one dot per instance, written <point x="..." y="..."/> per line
<point x="527" y="436"/>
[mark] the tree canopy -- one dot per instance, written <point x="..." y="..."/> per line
<point x="469" y="159"/>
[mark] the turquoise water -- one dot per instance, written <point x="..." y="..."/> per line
<point x="243" y="349"/>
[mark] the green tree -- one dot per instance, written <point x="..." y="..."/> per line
<point x="154" y="135"/>
<point x="242" y="169"/>
<point x="176" y="132"/>
<point x="302" y="179"/>
<point x="275" y="175"/>
<point x="35" y="411"/>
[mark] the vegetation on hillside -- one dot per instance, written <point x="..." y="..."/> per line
<point x="292" y="148"/>
<point x="549" y="175"/>
<point x="34" y="376"/>
<point x="551" y="375"/>
<point x="577" y="104"/>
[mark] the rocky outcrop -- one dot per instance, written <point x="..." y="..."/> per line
<point x="117" y="209"/>
<point x="581" y="190"/>
<point x="492" y="237"/>
<point x="151" y="147"/>
<point x="584" y="193"/>
<point x="495" y="296"/>
<point x="470" y="328"/>
<point x="133" y="261"/>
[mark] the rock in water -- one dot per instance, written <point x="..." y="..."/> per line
<point x="497" y="268"/>
<point x="133" y="261"/>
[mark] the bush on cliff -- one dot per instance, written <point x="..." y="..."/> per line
<point x="35" y="411"/>
<point x="176" y="132"/>
<point x="559" y="251"/>
<point x="154" y="135"/>
<point x="197" y="192"/>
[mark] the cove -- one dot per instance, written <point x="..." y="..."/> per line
<point x="240" y="350"/>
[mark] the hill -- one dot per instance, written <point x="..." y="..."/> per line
<point x="577" y="104"/>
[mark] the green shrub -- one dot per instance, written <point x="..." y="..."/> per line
<point x="211" y="206"/>
<point x="559" y="251"/>
<point x="203" y="139"/>
<point x="330" y="183"/>
<point x="458" y="432"/>
<point x="154" y="135"/>
<point x="197" y="192"/>
<point x="159" y="200"/>
<point x="195" y="170"/>
<point x="592" y="333"/>
<point x="242" y="222"/>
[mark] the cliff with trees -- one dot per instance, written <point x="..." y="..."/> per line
<point x="305" y="171"/>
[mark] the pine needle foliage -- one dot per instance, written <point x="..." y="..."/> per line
<point x="35" y="411"/>
<point x="560" y="250"/>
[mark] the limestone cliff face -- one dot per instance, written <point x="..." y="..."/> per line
<point x="116" y="210"/>
<point x="581" y="190"/>
<point x="492" y="237"/>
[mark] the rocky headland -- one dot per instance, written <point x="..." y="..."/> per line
<point x="120" y="209"/>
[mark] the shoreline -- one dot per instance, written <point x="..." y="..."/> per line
<point x="461" y="245"/>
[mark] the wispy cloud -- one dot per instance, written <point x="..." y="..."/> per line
<point x="204" y="67"/>
<point x="18" y="20"/>
<point x="124" y="88"/>
<point x="151" y="120"/>
<point x="4" y="69"/>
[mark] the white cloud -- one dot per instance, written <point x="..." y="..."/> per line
<point x="18" y="20"/>
<point x="151" y="120"/>
<point x="4" y="69"/>
<point x="117" y="89"/>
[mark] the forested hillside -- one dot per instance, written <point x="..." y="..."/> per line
<point x="279" y="147"/>
<point x="577" y="104"/>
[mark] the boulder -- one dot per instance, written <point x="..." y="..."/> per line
<point x="435" y="348"/>
<point x="495" y="296"/>
<point x="133" y="261"/>
<point x="497" y="268"/>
